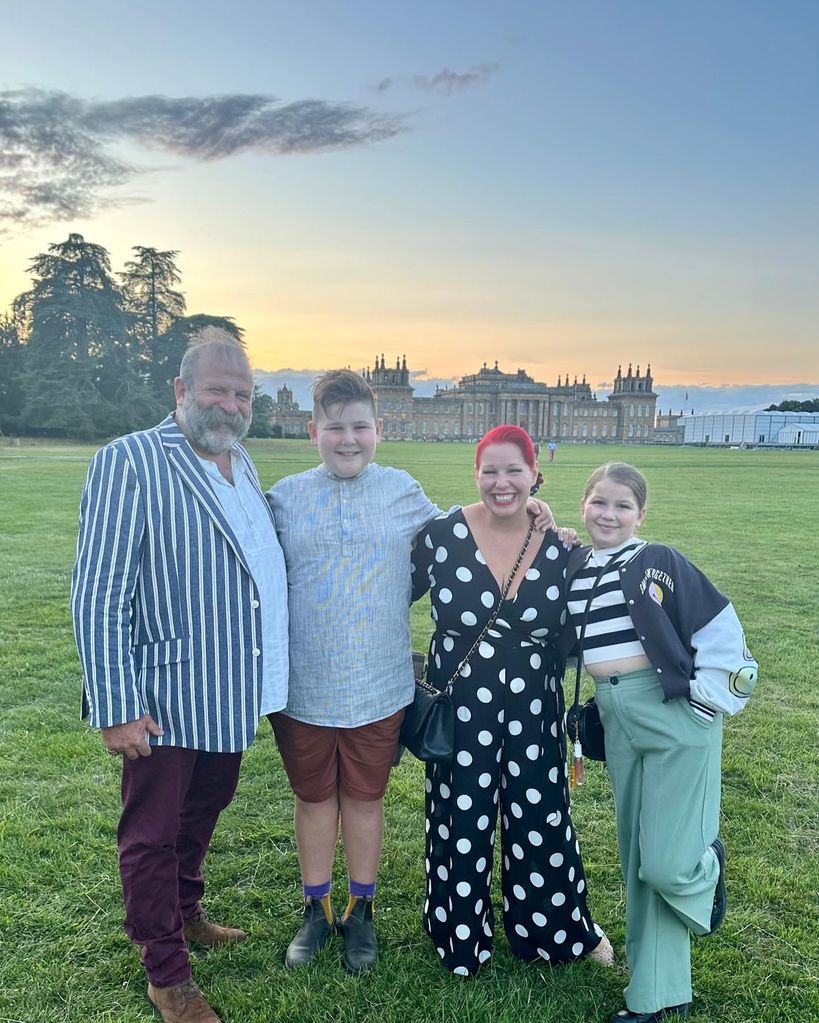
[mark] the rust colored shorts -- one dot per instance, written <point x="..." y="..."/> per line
<point x="321" y="760"/>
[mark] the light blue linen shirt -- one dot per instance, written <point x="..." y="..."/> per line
<point x="347" y="547"/>
<point x="242" y="504"/>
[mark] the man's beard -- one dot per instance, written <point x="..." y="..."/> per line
<point x="209" y="428"/>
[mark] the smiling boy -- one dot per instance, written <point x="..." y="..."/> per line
<point x="346" y="527"/>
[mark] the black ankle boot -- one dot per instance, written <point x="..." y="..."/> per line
<point x="672" y="1011"/>
<point x="360" y="946"/>
<point x="318" y="922"/>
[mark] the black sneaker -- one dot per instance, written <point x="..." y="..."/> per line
<point x="720" y="895"/>
<point x="318" y="922"/>
<point x="358" y="932"/>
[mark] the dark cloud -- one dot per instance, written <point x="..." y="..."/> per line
<point x="452" y="81"/>
<point x="55" y="161"/>
<point x="383" y="85"/>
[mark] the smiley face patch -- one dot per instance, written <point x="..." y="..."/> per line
<point x="742" y="682"/>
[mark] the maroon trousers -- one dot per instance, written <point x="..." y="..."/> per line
<point x="171" y="801"/>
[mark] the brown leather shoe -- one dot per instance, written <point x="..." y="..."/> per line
<point x="206" y="932"/>
<point x="182" y="1003"/>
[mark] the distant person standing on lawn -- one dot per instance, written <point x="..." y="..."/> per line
<point x="179" y="599"/>
<point x="669" y="660"/>
<point x="551" y="447"/>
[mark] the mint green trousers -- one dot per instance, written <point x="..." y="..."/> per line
<point x="664" y="764"/>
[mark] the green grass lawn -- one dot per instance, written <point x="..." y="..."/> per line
<point x="748" y="518"/>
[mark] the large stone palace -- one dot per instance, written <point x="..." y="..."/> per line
<point x="567" y="411"/>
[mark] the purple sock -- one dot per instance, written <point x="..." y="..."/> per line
<point x="316" y="891"/>
<point x="362" y="891"/>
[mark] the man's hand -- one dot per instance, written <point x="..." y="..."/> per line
<point x="131" y="739"/>
<point x="542" y="514"/>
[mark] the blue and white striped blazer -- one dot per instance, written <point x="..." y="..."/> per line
<point x="166" y="613"/>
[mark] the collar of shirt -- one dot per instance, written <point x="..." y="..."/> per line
<point x="322" y="470"/>
<point x="212" y="469"/>
<point x="604" y="555"/>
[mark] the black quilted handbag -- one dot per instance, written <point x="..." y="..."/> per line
<point x="583" y="724"/>
<point x="428" y="730"/>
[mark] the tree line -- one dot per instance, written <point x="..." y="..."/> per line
<point x="811" y="405"/>
<point x="90" y="353"/>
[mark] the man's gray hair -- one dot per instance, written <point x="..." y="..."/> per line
<point x="216" y="341"/>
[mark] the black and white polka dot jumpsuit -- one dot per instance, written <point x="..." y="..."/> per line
<point x="509" y="758"/>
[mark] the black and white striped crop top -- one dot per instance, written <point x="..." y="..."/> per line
<point x="610" y="634"/>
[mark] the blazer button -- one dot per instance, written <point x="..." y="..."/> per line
<point x="254" y="603"/>
<point x="256" y="651"/>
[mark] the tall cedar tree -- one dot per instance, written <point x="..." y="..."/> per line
<point x="80" y="376"/>
<point x="148" y="287"/>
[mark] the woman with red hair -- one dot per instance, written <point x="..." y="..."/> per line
<point x="509" y="734"/>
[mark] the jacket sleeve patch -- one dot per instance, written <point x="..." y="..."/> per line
<point x="742" y="682"/>
<point x="653" y="580"/>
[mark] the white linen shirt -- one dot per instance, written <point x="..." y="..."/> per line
<point x="242" y="504"/>
<point x="347" y="547"/>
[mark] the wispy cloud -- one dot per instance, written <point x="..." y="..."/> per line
<point x="453" y="81"/>
<point x="55" y="158"/>
<point x="444" y="81"/>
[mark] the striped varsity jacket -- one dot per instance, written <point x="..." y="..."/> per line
<point x="166" y="614"/>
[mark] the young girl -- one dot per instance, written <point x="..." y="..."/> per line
<point x="669" y="659"/>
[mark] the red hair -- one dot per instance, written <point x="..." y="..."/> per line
<point x="508" y="435"/>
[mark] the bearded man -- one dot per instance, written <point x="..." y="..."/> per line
<point x="179" y="600"/>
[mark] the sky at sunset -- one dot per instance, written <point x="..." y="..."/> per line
<point x="562" y="187"/>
